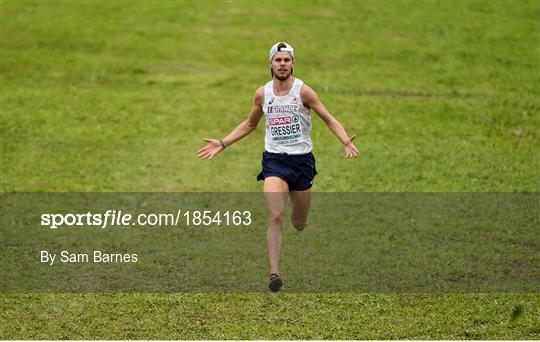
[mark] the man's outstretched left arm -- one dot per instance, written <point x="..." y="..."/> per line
<point x="310" y="98"/>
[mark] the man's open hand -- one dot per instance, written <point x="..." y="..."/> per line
<point x="350" y="150"/>
<point x="210" y="150"/>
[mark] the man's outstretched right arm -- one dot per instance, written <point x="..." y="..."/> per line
<point x="215" y="146"/>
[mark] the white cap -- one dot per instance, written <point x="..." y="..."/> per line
<point x="275" y="50"/>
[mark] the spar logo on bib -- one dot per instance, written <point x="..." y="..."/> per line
<point x="285" y="120"/>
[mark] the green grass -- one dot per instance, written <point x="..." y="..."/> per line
<point x="355" y="242"/>
<point x="268" y="316"/>
<point x="444" y="96"/>
<point x="109" y="97"/>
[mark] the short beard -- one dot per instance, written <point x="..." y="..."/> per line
<point x="282" y="78"/>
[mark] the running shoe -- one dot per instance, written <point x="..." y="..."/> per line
<point x="275" y="282"/>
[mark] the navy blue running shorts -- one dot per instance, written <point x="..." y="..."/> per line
<point x="298" y="170"/>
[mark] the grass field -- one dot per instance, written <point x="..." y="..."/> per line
<point x="111" y="97"/>
<point x="255" y="316"/>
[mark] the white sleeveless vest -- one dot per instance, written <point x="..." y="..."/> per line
<point x="288" y="122"/>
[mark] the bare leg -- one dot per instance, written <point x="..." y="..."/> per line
<point x="301" y="201"/>
<point x="276" y="191"/>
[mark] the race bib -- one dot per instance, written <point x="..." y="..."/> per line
<point x="286" y="129"/>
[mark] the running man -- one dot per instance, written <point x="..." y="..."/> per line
<point x="288" y="166"/>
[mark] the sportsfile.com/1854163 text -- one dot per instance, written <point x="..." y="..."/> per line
<point x="118" y="218"/>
